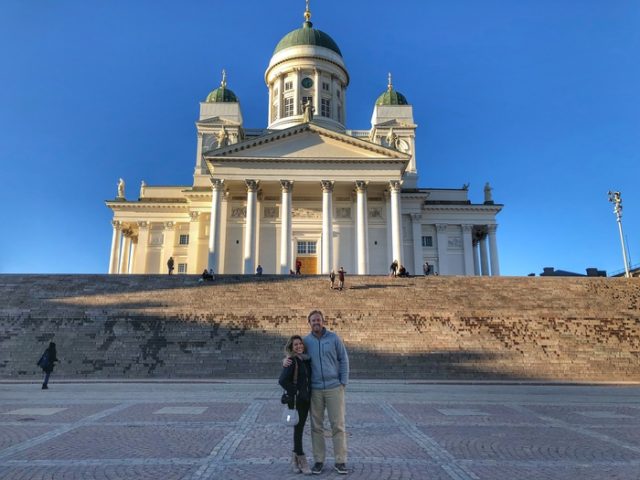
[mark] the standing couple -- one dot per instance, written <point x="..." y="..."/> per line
<point x="316" y="371"/>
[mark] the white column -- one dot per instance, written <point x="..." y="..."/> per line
<point x="416" y="228"/>
<point x="387" y="204"/>
<point x="467" y="244"/>
<point x="214" y="225"/>
<point x="297" y="108"/>
<point x="140" y="264"/>
<point x="249" y="258"/>
<point x="493" y="250"/>
<point x="476" y="258"/>
<point x="126" y="250"/>
<point x="317" y="91"/>
<point x="115" y="246"/>
<point x="280" y="97"/>
<point x="327" y="226"/>
<point x="484" y="261"/>
<point x="285" y="227"/>
<point x="199" y="169"/>
<point x="362" y="233"/>
<point x="132" y="255"/>
<point x="194" y="243"/>
<point x="396" y="221"/>
<point x="441" y="238"/>
<point x="168" y="244"/>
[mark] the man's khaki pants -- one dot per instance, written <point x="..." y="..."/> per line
<point x="333" y="401"/>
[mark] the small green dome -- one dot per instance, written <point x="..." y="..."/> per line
<point x="307" y="35"/>
<point x="391" y="97"/>
<point x="221" y="94"/>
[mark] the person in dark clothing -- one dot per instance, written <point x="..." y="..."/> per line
<point x="206" y="275"/>
<point x="393" y="269"/>
<point x="46" y="363"/>
<point x="296" y="380"/>
<point x="298" y="267"/>
<point x="170" y="265"/>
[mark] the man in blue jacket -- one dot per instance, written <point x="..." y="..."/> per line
<point x="329" y="377"/>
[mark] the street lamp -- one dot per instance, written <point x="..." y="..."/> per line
<point x="616" y="199"/>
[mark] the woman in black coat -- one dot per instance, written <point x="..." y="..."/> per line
<point x="300" y="389"/>
<point x="46" y="362"/>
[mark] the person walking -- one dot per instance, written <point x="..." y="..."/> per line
<point x="296" y="380"/>
<point x="329" y="378"/>
<point x="341" y="273"/>
<point x="426" y="268"/>
<point x="393" y="269"/>
<point x="332" y="279"/>
<point x="47" y="362"/>
<point x="170" y="265"/>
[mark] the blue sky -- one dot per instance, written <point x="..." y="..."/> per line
<point x="538" y="97"/>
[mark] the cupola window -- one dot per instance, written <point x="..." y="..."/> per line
<point x="325" y="86"/>
<point x="288" y="86"/>
<point x="306" y="100"/>
<point x="325" y="107"/>
<point x="288" y="107"/>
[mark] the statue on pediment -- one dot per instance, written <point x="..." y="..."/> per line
<point x="308" y="110"/>
<point x="488" y="198"/>
<point x="223" y="137"/>
<point x="143" y="186"/>
<point x="391" y="139"/>
<point x="121" y="189"/>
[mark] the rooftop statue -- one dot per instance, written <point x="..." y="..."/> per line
<point x="121" y="189"/>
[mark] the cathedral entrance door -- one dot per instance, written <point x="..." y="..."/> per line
<point x="307" y="256"/>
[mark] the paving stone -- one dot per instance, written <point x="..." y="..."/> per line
<point x="180" y="411"/>
<point x="34" y="411"/>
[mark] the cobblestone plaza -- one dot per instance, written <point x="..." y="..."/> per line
<point x="231" y="430"/>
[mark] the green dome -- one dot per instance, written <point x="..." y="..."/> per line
<point x="307" y="35"/>
<point x="221" y="94"/>
<point x="391" y="97"/>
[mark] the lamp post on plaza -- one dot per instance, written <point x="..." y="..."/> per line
<point x="616" y="199"/>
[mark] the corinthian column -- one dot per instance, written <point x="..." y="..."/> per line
<point x="416" y="230"/>
<point x="327" y="226"/>
<point x="126" y="251"/>
<point x="115" y="246"/>
<point x="493" y="250"/>
<point x="140" y="263"/>
<point x="361" y="227"/>
<point x="194" y="243"/>
<point x="467" y="243"/>
<point x="285" y="227"/>
<point x="396" y="221"/>
<point x="484" y="261"/>
<point x="214" y="225"/>
<point x="250" y="228"/>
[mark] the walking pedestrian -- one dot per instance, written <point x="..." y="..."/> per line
<point x="170" y="265"/>
<point x="47" y="362"/>
<point x="341" y="273"/>
<point x="332" y="279"/>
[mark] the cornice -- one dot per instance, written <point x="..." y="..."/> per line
<point x="462" y="208"/>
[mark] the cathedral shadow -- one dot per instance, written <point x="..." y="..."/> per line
<point x="373" y="286"/>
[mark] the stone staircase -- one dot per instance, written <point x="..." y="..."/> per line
<point x="157" y="326"/>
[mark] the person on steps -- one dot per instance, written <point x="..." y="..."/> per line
<point x="296" y="380"/>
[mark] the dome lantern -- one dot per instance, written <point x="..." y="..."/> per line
<point x="222" y="94"/>
<point x="391" y="96"/>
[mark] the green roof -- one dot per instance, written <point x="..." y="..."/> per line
<point x="307" y="35"/>
<point x="221" y="94"/>
<point x="391" y="97"/>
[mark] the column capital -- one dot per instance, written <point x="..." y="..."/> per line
<point x="467" y="229"/>
<point x="395" y="185"/>
<point x="361" y="186"/>
<point x="252" y="185"/>
<point x="491" y="229"/>
<point x="327" y="185"/>
<point x="441" y="227"/>
<point x="169" y="225"/>
<point x="143" y="225"/>
<point x="127" y="232"/>
<point x="415" y="217"/>
<point x="194" y="216"/>
<point x="117" y="224"/>
<point x="287" y="185"/>
<point x="216" y="183"/>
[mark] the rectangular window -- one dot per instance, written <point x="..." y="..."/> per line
<point x="340" y="114"/>
<point x="184" y="239"/>
<point x="288" y="86"/>
<point x="288" y="107"/>
<point x="325" y="108"/>
<point x="274" y="112"/>
<point x="325" y="86"/>
<point x="427" y="241"/>
<point x="338" y="93"/>
<point x="182" y="268"/>
<point x="306" y="248"/>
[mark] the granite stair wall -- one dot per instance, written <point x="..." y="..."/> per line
<point x="159" y="326"/>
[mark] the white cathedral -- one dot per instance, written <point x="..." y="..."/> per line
<point x="305" y="189"/>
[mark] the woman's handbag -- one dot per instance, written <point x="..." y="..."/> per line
<point x="290" y="415"/>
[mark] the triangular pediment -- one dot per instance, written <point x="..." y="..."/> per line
<point x="306" y="141"/>
<point x="394" y="124"/>
<point x="213" y="121"/>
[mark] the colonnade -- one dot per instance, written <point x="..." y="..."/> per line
<point x="327" y="256"/>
